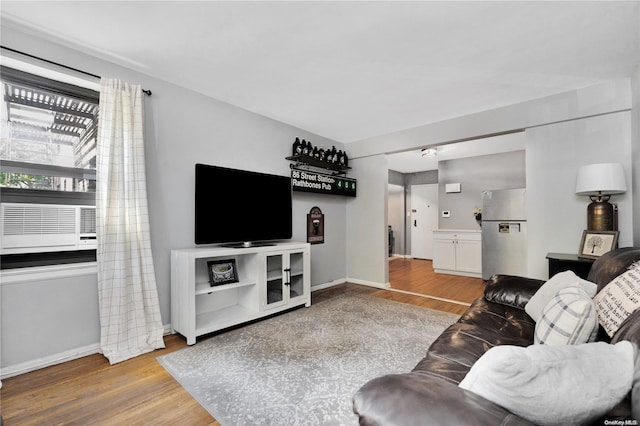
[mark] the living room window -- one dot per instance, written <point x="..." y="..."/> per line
<point x="47" y="173"/>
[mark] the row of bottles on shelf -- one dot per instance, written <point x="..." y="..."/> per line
<point x="329" y="156"/>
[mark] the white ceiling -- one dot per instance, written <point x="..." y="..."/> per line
<point x="413" y="161"/>
<point x="353" y="70"/>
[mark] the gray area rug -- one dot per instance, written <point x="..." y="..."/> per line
<point x="303" y="367"/>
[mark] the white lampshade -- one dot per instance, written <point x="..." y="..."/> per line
<point x="601" y="179"/>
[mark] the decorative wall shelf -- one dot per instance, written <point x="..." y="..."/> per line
<point x="306" y="160"/>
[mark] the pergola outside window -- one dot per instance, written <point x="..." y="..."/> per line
<point x="48" y="134"/>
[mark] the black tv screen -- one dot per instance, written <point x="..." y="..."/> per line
<point x="239" y="207"/>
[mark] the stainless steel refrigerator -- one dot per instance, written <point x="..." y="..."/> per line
<point x="504" y="232"/>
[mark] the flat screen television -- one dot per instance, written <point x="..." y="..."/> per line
<point x="240" y="208"/>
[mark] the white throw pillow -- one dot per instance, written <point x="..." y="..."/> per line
<point x="618" y="300"/>
<point x="561" y="280"/>
<point x="554" y="385"/>
<point x="569" y="318"/>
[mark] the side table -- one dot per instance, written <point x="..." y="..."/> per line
<point x="559" y="262"/>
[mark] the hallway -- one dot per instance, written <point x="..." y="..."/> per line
<point x="416" y="276"/>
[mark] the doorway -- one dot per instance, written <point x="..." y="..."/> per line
<point x="396" y="220"/>
<point x="424" y="219"/>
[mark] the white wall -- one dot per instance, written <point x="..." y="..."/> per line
<point x="476" y="174"/>
<point x="367" y="247"/>
<point x="592" y="134"/>
<point x="635" y="137"/>
<point x="589" y="101"/>
<point x="328" y="260"/>
<point x="46" y="316"/>
<point x="182" y="127"/>
<point x="190" y="128"/>
<point x="556" y="215"/>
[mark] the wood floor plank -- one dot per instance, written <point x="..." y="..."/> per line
<point x="418" y="276"/>
<point x="141" y="392"/>
<point x="90" y="391"/>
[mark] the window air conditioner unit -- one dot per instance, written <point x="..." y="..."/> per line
<point x="32" y="228"/>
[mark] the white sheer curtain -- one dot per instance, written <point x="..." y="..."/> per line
<point x="130" y="322"/>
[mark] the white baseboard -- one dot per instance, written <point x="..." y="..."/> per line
<point x="47" y="361"/>
<point x="328" y="284"/>
<point x="350" y="280"/>
<point x="460" y="273"/>
<point x="383" y="286"/>
<point x="59" y="358"/>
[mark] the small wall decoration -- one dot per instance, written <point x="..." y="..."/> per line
<point x="222" y="272"/>
<point x="315" y="226"/>
<point x="596" y="243"/>
<point x="321" y="183"/>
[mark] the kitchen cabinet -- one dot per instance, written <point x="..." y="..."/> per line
<point x="457" y="252"/>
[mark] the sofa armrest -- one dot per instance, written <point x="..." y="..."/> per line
<point x="511" y="290"/>
<point x="421" y="399"/>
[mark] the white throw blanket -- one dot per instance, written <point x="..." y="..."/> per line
<point x="553" y="385"/>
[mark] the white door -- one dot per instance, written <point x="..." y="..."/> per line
<point x="424" y="219"/>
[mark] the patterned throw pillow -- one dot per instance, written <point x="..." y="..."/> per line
<point x="561" y="280"/>
<point x="570" y="318"/>
<point x="618" y="300"/>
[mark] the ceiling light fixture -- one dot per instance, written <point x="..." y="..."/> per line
<point x="429" y="152"/>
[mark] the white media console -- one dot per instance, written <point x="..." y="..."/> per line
<point x="270" y="278"/>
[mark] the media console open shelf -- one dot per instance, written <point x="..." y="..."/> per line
<point x="271" y="279"/>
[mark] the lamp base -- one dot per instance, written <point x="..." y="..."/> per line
<point x="600" y="216"/>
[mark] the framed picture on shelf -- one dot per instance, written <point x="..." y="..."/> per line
<point x="596" y="243"/>
<point x="222" y="272"/>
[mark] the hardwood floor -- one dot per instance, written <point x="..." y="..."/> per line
<point x="418" y="276"/>
<point x="140" y="392"/>
<point x="88" y="391"/>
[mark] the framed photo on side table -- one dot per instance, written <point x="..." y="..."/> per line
<point x="596" y="243"/>
<point x="222" y="272"/>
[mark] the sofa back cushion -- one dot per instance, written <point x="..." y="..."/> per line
<point x="611" y="264"/>
<point x="511" y="290"/>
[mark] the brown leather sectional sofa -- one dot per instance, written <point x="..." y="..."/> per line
<point x="429" y="395"/>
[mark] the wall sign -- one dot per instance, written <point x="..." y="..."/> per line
<point x="306" y="181"/>
<point x="315" y="226"/>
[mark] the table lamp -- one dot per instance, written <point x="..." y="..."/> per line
<point x="600" y="182"/>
